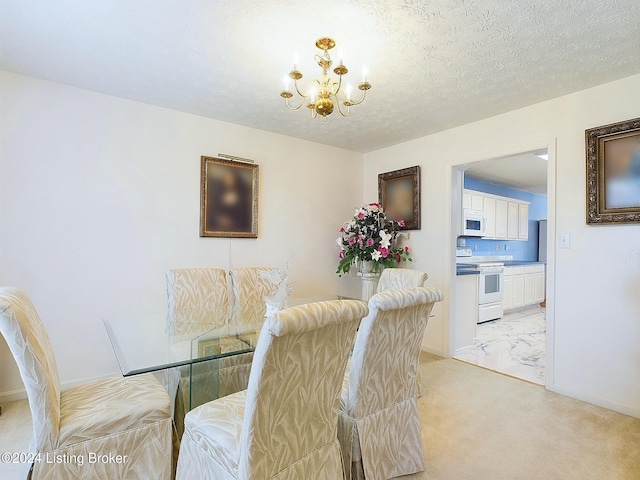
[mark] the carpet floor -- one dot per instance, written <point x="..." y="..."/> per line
<point x="480" y="425"/>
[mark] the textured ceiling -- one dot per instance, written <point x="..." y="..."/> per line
<point x="433" y="64"/>
<point x="526" y="172"/>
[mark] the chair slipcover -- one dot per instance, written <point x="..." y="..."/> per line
<point x="379" y="426"/>
<point x="284" y="425"/>
<point x="249" y="288"/>
<point x="198" y="301"/>
<point x="125" y="416"/>
<point x="399" y="278"/>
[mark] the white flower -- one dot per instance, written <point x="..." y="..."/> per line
<point x="375" y="256"/>
<point x="339" y="242"/>
<point x="386" y="239"/>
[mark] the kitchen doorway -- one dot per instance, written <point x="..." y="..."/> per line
<point x="513" y="195"/>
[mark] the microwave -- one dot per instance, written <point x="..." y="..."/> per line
<point x="473" y="223"/>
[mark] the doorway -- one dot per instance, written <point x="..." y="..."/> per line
<point x="517" y="341"/>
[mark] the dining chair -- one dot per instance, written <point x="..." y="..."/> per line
<point x="125" y="419"/>
<point x="379" y="426"/>
<point x="249" y="286"/>
<point x="284" y="425"/>
<point x="198" y="301"/>
<point x="398" y="278"/>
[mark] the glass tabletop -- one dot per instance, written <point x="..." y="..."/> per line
<point x="153" y="342"/>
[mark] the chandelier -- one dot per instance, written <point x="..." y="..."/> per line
<point x="324" y="94"/>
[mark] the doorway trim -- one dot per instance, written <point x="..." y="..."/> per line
<point x="456" y="197"/>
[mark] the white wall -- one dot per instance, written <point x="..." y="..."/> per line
<point x="597" y="305"/>
<point x="99" y="196"/>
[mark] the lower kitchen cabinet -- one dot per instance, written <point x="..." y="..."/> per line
<point x="523" y="285"/>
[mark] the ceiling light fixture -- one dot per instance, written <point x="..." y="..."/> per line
<point x="324" y="93"/>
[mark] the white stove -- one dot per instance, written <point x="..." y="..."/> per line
<point x="490" y="282"/>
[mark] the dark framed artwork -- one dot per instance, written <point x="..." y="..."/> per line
<point x="399" y="195"/>
<point x="228" y="198"/>
<point x="613" y="173"/>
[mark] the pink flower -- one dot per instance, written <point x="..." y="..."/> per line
<point x="341" y="229"/>
<point x="360" y="215"/>
<point x="383" y="251"/>
<point x="341" y="254"/>
<point x="374" y="205"/>
<point x="401" y="223"/>
<point x="406" y="249"/>
<point x="369" y="242"/>
<point x="352" y="240"/>
<point x="399" y="258"/>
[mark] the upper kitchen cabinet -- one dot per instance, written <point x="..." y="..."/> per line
<point x="505" y="218"/>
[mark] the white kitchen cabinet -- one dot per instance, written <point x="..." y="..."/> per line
<point x="507" y="290"/>
<point x="529" y="285"/>
<point x="489" y="210"/>
<point x="513" y="221"/>
<point x="501" y="218"/>
<point x="473" y="200"/>
<point x="540" y="281"/>
<point x="523" y="285"/>
<point x="505" y="218"/>
<point x="518" y="288"/>
<point x="523" y="221"/>
<point x="466" y="200"/>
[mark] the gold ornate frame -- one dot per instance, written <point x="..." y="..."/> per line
<point x="601" y="208"/>
<point x="408" y="181"/>
<point x="228" y="198"/>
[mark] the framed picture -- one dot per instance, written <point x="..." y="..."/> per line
<point x="399" y="195"/>
<point x="228" y="198"/>
<point x="209" y="347"/>
<point x="613" y="173"/>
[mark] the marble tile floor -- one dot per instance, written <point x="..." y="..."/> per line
<point x="513" y="345"/>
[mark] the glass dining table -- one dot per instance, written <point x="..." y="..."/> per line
<point x="192" y="345"/>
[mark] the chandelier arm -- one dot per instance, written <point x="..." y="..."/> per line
<point x="286" y="100"/>
<point x="364" y="94"/>
<point x="295" y="83"/>
<point x="340" y="109"/>
<point x="339" y="86"/>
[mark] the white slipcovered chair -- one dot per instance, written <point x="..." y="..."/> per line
<point x="399" y="278"/>
<point x="114" y="416"/>
<point x="249" y="287"/>
<point x="379" y="426"/>
<point x="198" y="301"/>
<point x="284" y="425"/>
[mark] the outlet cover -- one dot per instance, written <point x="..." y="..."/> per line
<point x="565" y="240"/>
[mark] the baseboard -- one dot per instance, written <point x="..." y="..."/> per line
<point x="598" y="401"/>
<point x="432" y="350"/>
<point x="13" y="395"/>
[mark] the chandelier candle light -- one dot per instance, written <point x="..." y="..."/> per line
<point x="325" y="93"/>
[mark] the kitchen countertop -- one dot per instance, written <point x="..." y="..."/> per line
<point x="471" y="269"/>
<point x="517" y="263"/>
<point x="467" y="270"/>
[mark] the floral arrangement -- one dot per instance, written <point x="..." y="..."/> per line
<point x="370" y="236"/>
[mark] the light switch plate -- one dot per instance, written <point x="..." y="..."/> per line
<point x="565" y="240"/>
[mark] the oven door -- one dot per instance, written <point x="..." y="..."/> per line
<point x="490" y="285"/>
